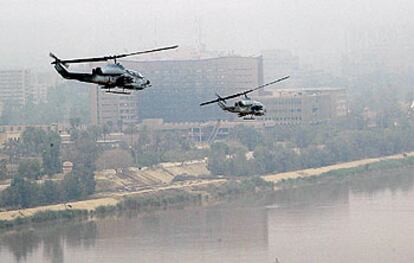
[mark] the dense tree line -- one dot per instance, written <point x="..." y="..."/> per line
<point x="26" y="190"/>
<point x="23" y="192"/>
<point x="168" y="146"/>
<point x="291" y="148"/>
<point x="36" y="143"/>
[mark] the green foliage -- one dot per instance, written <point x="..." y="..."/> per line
<point x="3" y="169"/>
<point x="43" y="216"/>
<point x="166" y="146"/>
<point x="247" y="136"/>
<point x="21" y="193"/>
<point x="31" y="169"/>
<point x="35" y="142"/>
<point x="292" y="148"/>
<point x="71" y="187"/>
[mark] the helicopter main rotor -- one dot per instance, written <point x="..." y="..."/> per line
<point x="244" y="93"/>
<point x="113" y="57"/>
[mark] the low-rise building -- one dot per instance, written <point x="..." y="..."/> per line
<point x="304" y="106"/>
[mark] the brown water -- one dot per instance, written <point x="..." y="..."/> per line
<point x="369" y="219"/>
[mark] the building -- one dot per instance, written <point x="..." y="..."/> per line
<point x="17" y="87"/>
<point x="305" y="106"/>
<point x="278" y="63"/>
<point x="206" y="131"/>
<point x="14" y="87"/>
<point x="114" y="110"/>
<point x="13" y="132"/>
<point x="179" y="86"/>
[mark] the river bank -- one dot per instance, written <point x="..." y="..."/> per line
<point x="198" y="191"/>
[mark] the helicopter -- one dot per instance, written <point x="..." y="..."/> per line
<point x="245" y="106"/>
<point x="109" y="77"/>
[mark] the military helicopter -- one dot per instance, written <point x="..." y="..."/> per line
<point x="245" y="106"/>
<point x="109" y="77"/>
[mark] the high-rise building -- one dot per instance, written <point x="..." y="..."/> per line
<point x="14" y="87"/>
<point x="113" y="110"/>
<point x="179" y="86"/>
<point x="17" y="87"/>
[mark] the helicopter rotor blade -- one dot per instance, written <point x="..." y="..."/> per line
<point x="270" y="83"/>
<point x="145" y="52"/>
<point x="106" y="58"/>
<point x="243" y="93"/>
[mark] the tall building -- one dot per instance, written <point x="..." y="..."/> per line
<point x="179" y="86"/>
<point x="279" y="63"/>
<point x="305" y="106"/>
<point x="20" y="86"/>
<point x="14" y="87"/>
<point x="114" y="110"/>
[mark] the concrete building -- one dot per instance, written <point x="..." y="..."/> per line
<point x="206" y="131"/>
<point x="180" y="85"/>
<point x="8" y="132"/>
<point x="115" y="110"/>
<point x="14" y="87"/>
<point x="280" y="63"/>
<point x="305" y="106"/>
<point x="20" y="86"/>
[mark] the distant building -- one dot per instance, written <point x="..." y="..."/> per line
<point x="14" y="132"/>
<point x="305" y="106"/>
<point x="17" y="87"/>
<point x="278" y="63"/>
<point x="14" y="87"/>
<point x="206" y="131"/>
<point x="180" y="85"/>
<point x="118" y="111"/>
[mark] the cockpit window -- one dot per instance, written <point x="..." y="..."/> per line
<point x="134" y="73"/>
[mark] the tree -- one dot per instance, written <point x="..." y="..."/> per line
<point x="3" y="169"/>
<point x="20" y="193"/>
<point x="51" y="154"/>
<point x="30" y="169"/>
<point x="248" y="136"/>
<point x="49" y="192"/>
<point x="84" y="158"/>
<point x="71" y="187"/>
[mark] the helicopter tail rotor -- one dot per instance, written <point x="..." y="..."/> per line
<point x="57" y="60"/>
<point x="220" y="98"/>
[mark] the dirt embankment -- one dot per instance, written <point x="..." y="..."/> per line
<point x="114" y="185"/>
<point x="275" y="178"/>
<point x="133" y="179"/>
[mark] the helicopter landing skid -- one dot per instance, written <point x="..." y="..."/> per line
<point x="251" y="118"/>
<point x="118" y="92"/>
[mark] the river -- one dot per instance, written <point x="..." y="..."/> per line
<point x="366" y="219"/>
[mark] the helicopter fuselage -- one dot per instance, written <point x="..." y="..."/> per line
<point x="108" y="76"/>
<point x="245" y="107"/>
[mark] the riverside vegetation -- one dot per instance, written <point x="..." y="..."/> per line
<point x="33" y="164"/>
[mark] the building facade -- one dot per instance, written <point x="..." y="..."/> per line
<point x="17" y="87"/>
<point x="14" y="87"/>
<point x="179" y="86"/>
<point x="305" y="106"/>
<point x="116" y="111"/>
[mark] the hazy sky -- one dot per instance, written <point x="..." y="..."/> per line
<point x="29" y="29"/>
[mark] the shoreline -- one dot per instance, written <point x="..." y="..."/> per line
<point x="197" y="191"/>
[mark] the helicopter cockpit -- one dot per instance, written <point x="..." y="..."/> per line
<point x="243" y="103"/>
<point x="134" y="73"/>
